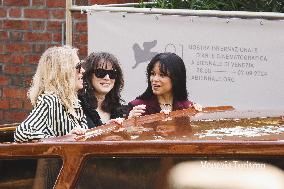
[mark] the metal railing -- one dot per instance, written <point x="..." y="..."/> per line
<point x="128" y="8"/>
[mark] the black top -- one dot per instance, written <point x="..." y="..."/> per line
<point x="93" y="117"/>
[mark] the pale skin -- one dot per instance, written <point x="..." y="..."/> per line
<point x="162" y="87"/>
<point x="104" y="86"/>
<point x="78" y="86"/>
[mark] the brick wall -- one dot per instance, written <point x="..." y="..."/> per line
<point x="27" y="29"/>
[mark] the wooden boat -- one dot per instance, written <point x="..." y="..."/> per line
<point x="7" y="132"/>
<point x="140" y="152"/>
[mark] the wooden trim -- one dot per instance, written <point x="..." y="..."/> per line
<point x="69" y="29"/>
<point x="75" y="153"/>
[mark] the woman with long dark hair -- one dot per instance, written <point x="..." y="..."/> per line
<point x="166" y="91"/>
<point x="103" y="82"/>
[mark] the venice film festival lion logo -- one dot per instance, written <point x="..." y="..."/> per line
<point x="143" y="55"/>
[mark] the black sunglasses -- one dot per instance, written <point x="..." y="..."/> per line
<point x="101" y="73"/>
<point x="79" y="66"/>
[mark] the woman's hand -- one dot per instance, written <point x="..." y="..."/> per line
<point x="78" y="131"/>
<point x="117" y="120"/>
<point x="137" y="111"/>
<point x="167" y="112"/>
<point x="197" y="107"/>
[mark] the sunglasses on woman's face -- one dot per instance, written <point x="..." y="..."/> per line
<point x="101" y="73"/>
<point x="79" y="66"/>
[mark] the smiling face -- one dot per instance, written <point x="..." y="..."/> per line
<point x="161" y="83"/>
<point x="103" y="83"/>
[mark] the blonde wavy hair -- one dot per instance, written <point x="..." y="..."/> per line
<point x="56" y="74"/>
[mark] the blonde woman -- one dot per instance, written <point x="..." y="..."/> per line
<point x="53" y="94"/>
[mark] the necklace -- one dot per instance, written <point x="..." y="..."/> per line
<point x="167" y="107"/>
<point x="165" y="104"/>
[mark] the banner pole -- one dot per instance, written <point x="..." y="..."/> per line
<point x="68" y="23"/>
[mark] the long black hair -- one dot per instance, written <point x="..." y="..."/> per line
<point x="173" y="66"/>
<point x="112" y="101"/>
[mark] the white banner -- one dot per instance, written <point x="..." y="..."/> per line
<point x="238" y="62"/>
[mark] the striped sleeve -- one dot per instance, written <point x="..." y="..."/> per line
<point x="84" y="122"/>
<point x="33" y="127"/>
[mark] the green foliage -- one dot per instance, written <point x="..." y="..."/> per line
<point x="225" y="5"/>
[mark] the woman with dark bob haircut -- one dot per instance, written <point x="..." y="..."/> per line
<point x="103" y="82"/>
<point x="166" y="91"/>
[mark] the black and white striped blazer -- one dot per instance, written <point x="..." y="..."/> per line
<point x="49" y="118"/>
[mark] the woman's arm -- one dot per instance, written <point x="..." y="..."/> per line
<point x="34" y="125"/>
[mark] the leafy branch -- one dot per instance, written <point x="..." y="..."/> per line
<point x="225" y="5"/>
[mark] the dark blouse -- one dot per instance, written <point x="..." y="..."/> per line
<point x="93" y="117"/>
<point x="152" y="105"/>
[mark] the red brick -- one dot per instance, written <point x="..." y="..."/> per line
<point x="13" y="69"/>
<point x="81" y="27"/>
<point x="21" y="48"/>
<point x="81" y="2"/>
<point x="4" y="80"/>
<point x="28" y="81"/>
<point x="15" y="13"/>
<point x="83" y="38"/>
<point x="16" y="24"/>
<point x="23" y="70"/>
<point x="16" y="36"/>
<point x="36" y="13"/>
<point x="14" y="93"/>
<point x="38" y="2"/>
<point x="83" y="50"/>
<point x="16" y="2"/>
<point x="4" y="104"/>
<point x="32" y="59"/>
<point x="16" y="104"/>
<point x="38" y="25"/>
<point x="39" y="48"/>
<point x="5" y="58"/>
<point x="2" y="49"/>
<point x="16" y="81"/>
<point x="93" y="2"/>
<point x="3" y="12"/>
<point x="79" y="16"/>
<point x="57" y="37"/>
<point x="17" y="59"/>
<point x="50" y="45"/>
<point x="15" y="116"/>
<point x="57" y="14"/>
<point x="54" y="26"/>
<point x="27" y="105"/>
<point x="80" y="38"/>
<point x="55" y="4"/>
<point x="1" y="24"/>
<point x="37" y="37"/>
<point x="3" y="35"/>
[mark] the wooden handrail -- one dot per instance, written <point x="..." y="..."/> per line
<point x="136" y="121"/>
<point x="8" y="127"/>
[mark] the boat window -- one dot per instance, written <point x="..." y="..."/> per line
<point x="151" y="172"/>
<point x="29" y="173"/>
